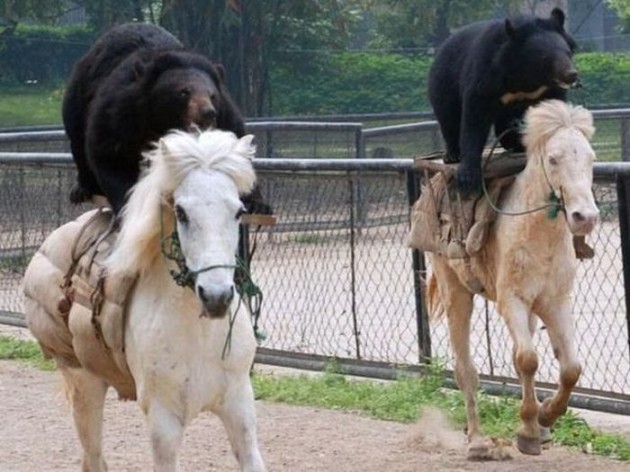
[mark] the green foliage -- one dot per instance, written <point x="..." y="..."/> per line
<point x="44" y="54"/>
<point x="422" y="23"/>
<point x="605" y="77"/>
<point x="26" y="351"/>
<point x="352" y="83"/>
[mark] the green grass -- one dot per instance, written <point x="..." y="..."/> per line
<point x="24" y="351"/>
<point x="402" y="401"/>
<point x="30" y="105"/>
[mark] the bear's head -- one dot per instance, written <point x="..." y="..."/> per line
<point x="183" y="90"/>
<point x="539" y="53"/>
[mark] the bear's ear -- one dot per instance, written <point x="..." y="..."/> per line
<point x="558" y="17"/>
<point x="220" y="71"/>
<point x="138" y="69"/>
<point x="509" y="29"/>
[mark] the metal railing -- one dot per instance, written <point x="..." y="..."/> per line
<point x="337" y="285"/>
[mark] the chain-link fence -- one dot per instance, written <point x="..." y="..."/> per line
<point x="337" y="276"/>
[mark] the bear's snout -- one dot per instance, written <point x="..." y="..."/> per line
<point x="203" y="114"/>
<point x="568" y="78"/>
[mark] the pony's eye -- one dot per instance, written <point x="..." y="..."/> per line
<point x="180" y="214"/>
<point x="240" y="213"/>
<point x="184" y="93"/>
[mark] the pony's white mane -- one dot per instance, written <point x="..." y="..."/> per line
<point x="548" y="117"/>
<point x="172" y="158"/>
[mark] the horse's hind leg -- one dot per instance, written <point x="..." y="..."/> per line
<point x="559" y="324"/>
<point x="238" y="414"/>
<point x="87" y="396"/>
<point x="458" y="305"/>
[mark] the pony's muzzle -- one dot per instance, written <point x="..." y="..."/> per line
<point x="216" y="301"/>
<point x="582" y="223"/>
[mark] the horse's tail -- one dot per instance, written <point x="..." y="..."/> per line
<point x="435" y="307"/>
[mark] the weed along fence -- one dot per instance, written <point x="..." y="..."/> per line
<point x="337" y="276"/>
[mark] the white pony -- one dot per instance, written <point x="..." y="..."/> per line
<point x="188" y="349"/>
<point x="528" y="267"/>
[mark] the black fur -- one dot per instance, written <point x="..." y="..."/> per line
<point x="134" y="84"/>
<point x="483" y="62"/>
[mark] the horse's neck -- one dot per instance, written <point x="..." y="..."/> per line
<point x="159" y="281"/>
<point x="531" y="192"/>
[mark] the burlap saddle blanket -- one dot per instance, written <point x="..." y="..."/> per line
<point x="444" y="223"/>
<point x="76" y="311"/>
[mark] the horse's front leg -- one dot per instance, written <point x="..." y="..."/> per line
<point x="166" y="429"/>
<point x="561" y="330"/>
<point x="520" y="322"/>
<point x="238" y="414"/>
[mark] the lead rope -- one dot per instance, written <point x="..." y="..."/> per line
<point x="555" y="205"/>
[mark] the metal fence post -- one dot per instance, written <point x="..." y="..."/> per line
<point x="419" y="270"/>
<point x="623" y="205"/>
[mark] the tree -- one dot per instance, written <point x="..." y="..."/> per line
<point x="426" y="23"/>
<point x="622" y="8"/>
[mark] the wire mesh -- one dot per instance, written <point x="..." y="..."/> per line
<point x="337" y="275"/>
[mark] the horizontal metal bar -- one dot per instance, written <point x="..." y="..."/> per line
<point x="302" y="126"/>
<point x="333" y="164"/>
<point x="397" y="129"/>
<point x="12" y="318"/>
<point x="35" y="158"/>
<point x="33" y="136"/>
<point x="605" y="170"/>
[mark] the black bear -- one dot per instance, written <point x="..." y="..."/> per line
<point x="489" y="73"/>
<point x="133" y="85"/>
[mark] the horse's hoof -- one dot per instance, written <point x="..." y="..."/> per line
<point x="544" y="435"/>
<point x="527" y="445"/>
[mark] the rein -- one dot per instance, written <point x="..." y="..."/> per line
<point x="245" y="286"/>
<point x="556" y="202"/>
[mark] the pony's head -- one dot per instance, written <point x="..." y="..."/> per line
<point x="192" y="186"/>
<point x="557" y="138"/>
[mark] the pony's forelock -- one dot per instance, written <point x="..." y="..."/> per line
<point x="170" y="160"/>
<point x="545" y="119"/>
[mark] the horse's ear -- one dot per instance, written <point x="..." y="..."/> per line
<point x="246" y="147"/>
<point x="162" y="146"/>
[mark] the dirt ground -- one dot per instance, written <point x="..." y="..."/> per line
<point x="36" y="434"/>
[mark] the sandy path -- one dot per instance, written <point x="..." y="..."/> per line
<point x="37" y="435"/>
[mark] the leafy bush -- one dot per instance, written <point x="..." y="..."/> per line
<point x="371" y="83"/>
<point x="605" y="77"/>
<point x="352" y="83"/>
<point x="42" y="53"/>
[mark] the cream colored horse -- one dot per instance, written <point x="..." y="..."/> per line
<point x="188" y="348"/>
<point x="527" y="267"/>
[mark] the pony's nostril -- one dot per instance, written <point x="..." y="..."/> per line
<point x="577" y="217"/>
<point x="202" y="295"/>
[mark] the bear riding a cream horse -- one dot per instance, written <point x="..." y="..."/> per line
<point x="527" y="265"/>
<point x="177" y="348"/>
